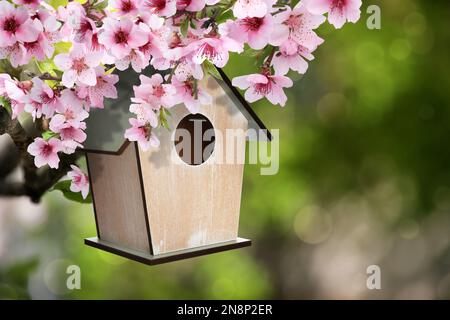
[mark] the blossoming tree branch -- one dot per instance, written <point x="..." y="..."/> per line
<point x="58" y="60"/>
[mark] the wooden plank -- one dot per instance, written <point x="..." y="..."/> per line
<point x="119" y="204"/>
<point x="168" y="257"/>
<point x="192" y="206"/>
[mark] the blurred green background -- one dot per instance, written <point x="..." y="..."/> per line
<point x="364" y="179"/>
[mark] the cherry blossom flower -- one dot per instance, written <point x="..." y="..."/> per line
<point x="45" y="96"/>
<point x="15" y="53"/>
<point x="80" y="181"/>
<point x="186" y="69"/>
<point x="125" y="7"/>
<point x="339" y="11"/>
<point x="137" y="60"/>
<point x="141" y="131"/>
<point x="298" y="24"/>
<point x="255" y="31"/>
<point x="78" y="65"/>
<point x="68" y="130"/>
<point x="71" y="109"/>
<point x="16" y="91"/>
<point x="153" y="92"/>
<point x="264" y="85"/>
<point x="186" y="94"/>
<point x="120" y="37"/>
<point x="214" y="50"/>
<point x="105" y="87"/>
<point x="32" y="4"/>
<point x="15" y="25"/>
<point x="165" y="8"/>
<point x="252" y="8"/>
<point x="145" y="112"/>
<point x="45" y="152"/>
<point x="84" y="31"/>
<point x="50" y="34"/>
<point x="190" y="5"/>
<point x="291" y="56"/>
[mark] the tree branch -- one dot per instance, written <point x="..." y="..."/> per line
<point x="36" y="181"/>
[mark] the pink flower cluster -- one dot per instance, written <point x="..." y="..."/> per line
<point x="70" y="53"/>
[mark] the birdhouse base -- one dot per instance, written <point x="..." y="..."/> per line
<point x="150" y="259"/>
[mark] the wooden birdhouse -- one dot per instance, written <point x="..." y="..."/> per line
<point x="152" y="208"/>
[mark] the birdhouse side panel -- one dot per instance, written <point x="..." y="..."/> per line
<point x="118" y="199"/>
<point x="195" y="205"/>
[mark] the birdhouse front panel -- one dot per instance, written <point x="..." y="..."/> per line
<point x="192" y="205"/>
<point x="118" y="203"/>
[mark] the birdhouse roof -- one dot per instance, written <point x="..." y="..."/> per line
<point x="106" y="127"/>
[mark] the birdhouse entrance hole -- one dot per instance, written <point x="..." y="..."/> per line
<point x="194" y="139"/>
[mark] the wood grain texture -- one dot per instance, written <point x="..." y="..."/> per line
<point x="119" y="205"/>
<point x="191" y="206"/>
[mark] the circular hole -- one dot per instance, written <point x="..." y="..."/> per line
<point x="194" y="139"/>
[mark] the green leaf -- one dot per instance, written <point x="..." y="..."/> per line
<point x="57" y="3"/>
<point x="6" y="104"/>
<point x="47" y="66"/>
<point x="47" y="135"/>
<point x="211" y="69"/>
<point x="224" y="16"/>
<point x="163" y="115"/>
<point x="64" y="187"/>
<point x="184" y="28"/>
<point x="62" y="47"/>
<point x="101" y="5"/>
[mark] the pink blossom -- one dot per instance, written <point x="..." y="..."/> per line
<point x="141" y="131"/>
<point x="72" y="102"/>
<point x="47" y="38"/>
<point x="16" y="92"/>
<point x="339" y="11"/>
<point x="32" y="4"/>
<point x="298" y="24"/>
<point x="136" y="58"/>
<point x="15" y="25"/>
<point x="145" y="112"/>
<point x="164" y="8"/>
<point x="42" y="94"/>
<point x="291" y="56"/>
<point x="153" y="92"/>
<point x="256" y="31"/>
<point x="80" y="181"/>
<point x="264" y="85"/>
<point x="78" y="65"/>
<point x="252" y="8"/>
<point x="68" y="130"/>
<point x="125" y="7"/>
<point x="186" y="94"/>
<point x="15" y="53"/>
<point x="186" y="69"/>
<point x="105" y="87"/>
<point x="45" y="152"/>
<point x="84" y="31"/>
<point x="71" y="109"/>
<point x="213" y="49"/>
<point x="190" y="5"/>
<point x="120" y="37"/>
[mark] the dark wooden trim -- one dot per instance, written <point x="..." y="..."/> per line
<point x="141" y="180"/>
<point x="122" y="148"/>
<point x="245" y="104"/>
<point x="92" y="195"/>
<point x="149" y="259"/>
